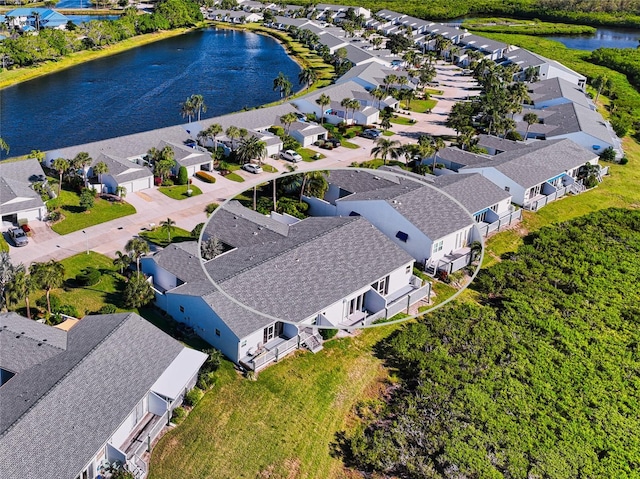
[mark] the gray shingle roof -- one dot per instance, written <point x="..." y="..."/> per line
<point x="15" y="180"/>
<point x="430" y="211"/>
<point x="78" y="397"/>
<point x="553" y="88"/>
<point x="540" y="161"/>
<point x="182" y="260"/>
<point x="497" y="143"/>
<point x="571" y="118"/>
<point x="461" y="157"/>
<point x="474" y="191"/>
<point x="121" y="169"/>
<point x="298" y="282"/>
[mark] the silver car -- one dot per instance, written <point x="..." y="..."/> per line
<point x="18" y="236"/>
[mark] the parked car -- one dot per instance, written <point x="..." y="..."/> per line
<point x="371" y="133"/>
<point x="18" y="236"/>
<point x="334" y="142"/>
<point x="252" y="168"/>
<point x="291" y="155"/>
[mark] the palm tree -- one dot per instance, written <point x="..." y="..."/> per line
<point x="385" y="123"/>
<point x="530" y="118"/>
<point x="385" y="147"/>
<point x="308" y="76"/>
<point x="211" y="132"/>
<point x="80" y="162"/>
<point x="314" y="183"/>
<point x="287" y="120"/>
<point x="251" y="148"/>
<point x="187" y="109"/>
<point x="389" y="80"/>
<point x="323" y="101"/>
<point x="425" y="147"/>
<point x="167" y="225"/>
<point x="198" y="104"/>
<point x="137" y="247"/>
<point x="353" y="105"/>
<point x="4" y="146"/>
<point x="163" y="161"/>
<point x="233" y="133"/>
<point x="137" y="292"/>
<point x="47" y="276"/>
<point x="378" y="93"/>
<point x="122" y="261"/>
<point x="282" y="83"/>
<point x="437" y="144"/>
<point x="60" y="165"/>
<point x="20" y="287"/>
<point x="100" y="169"/>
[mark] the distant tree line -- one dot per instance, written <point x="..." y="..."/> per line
<point x="51" y="44"/>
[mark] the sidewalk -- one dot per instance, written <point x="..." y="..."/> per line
<point x="152" y="207"/>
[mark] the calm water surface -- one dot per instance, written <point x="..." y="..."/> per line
<point x="605" y="37"/>
<point x="142" y="89"/>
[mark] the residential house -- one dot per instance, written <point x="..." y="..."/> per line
<point x="295" y="286"/>
<point x="543" y="67"/>
<point x="494" y="145"/>
<point x="415" y="216"/>
<point x="100" y="392"/>
<point x="489" y="204"/>
<point x="30" y="19"/>
<point x="193" y="157"/>
<point x="537" y="174"/>
<point x="121" y="173"/>
<point x="557" y="91"/>
<point x="18" y="198"/>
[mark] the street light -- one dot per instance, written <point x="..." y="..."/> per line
<point x="87" y="237"/>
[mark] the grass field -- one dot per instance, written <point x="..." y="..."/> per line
<point x="419" y="106"/>
<point x="308" y="154"/>
<point x="269" y="168"/>
<point x="160" y="236"/>
<point x="279" y="426"/>
<point x="179" y="192"/>
<point x="402" y="120"/>
<point x="234" y="177"/>
<point x="75" y="218"/>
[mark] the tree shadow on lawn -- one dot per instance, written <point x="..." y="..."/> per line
<point x="73" y="209"/>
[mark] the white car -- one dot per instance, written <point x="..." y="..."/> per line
<point x="291" y="155"/>
<point x="252" y="168"/>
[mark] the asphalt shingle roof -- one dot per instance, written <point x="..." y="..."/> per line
<point x="540" y="161"/>
<point x="77" y="398"/>
<point x="474" y="191"/>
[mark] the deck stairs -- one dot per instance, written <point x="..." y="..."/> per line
<point x="312" y="341"/>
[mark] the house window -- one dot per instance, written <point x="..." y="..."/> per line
<point x="382" y="286"/>
<point x="356" y="304"/>
<point x="182" y="309"/>
<point x="217" y="332"/>
<point x="481" y="217"/>
<point x="402" y="236"/>
<point x="494" y="208"/>
<point x="438" y="245"/>
<point x="407" y="269"/>
<point x="243" y="343"/>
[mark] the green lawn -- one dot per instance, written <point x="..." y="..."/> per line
<point x="279" y="426"/>
<point x="160" y="236"/>
<point x="388" y="133"/>
<point x="75" y="218"/>
<point x="348" y="144"/>
<point x="402" y="120"/>
<point x="433" y="91"/>
<point x="86" y="299"/>
<point x="4" y="246"/>
<point x="419" y="106"/>
<point x="269" y="168"/>
<point x="308" y="154"/>
<point x="179" y="192"/>
<point x="234" y="177"/>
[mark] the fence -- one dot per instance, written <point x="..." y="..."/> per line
<point x="537" y="204"/>
<point x="512" y="217"/>
<point x="275" y="354"/>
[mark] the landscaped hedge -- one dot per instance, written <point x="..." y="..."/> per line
<point x="206" y="177"/>
<point x="88" y="277"/>
<point x="328" y="333"/>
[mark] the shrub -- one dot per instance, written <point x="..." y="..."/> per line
<point x="328" y="333"/>
<point x="67" y="309"/>
<point x="183" y="176"/>
<point x="277" y="130"/>
<point x="290" y="143"/>
<point x="351" y="134"/>
<point x="193" y="397"/>
<point x="54" y="216"/>
<point x="214" y="360"/>
<point x="41" y="302"/>
<point x="210" y="208"/>
<point x="178" y="415"/>
<point x="608" y="154"/>
<point x="108" y="309"/>
<point x="206" y="177"/>
<point x="624" y="160"/>
<point x="87" y="199"/>
<point x="157" y="180"/>
<point x="167" y="182"/>
<point x="514" y="135"/>
<point x="89" y="276"/>
<point x="195" y="232"/>
<point x="207" y="380"/>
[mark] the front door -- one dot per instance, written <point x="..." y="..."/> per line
<point x="272" y="331"/>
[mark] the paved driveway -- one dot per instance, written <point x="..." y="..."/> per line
<point x="152" y="207"/>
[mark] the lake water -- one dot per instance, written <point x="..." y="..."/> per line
<point x="78" y="19"/>
<point x="605" y="37"/>
<point x="142" y="89"/>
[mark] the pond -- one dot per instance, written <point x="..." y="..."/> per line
<point x="142" y="89"/>
<point x="604" y="37"/>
